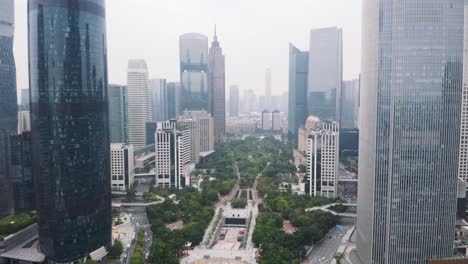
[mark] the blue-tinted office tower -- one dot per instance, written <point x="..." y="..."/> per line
<point x="298" y="77"/>
<point x="409" y="134"/>
<point x="70" y="126"/>
<point x="21" y="179"/>
<point x="8" y="106"/>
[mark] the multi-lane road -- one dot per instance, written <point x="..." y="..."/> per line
<point x="139" y="220"/>
<point x="324" y="252"/>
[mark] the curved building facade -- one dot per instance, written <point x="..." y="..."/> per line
<point x="8" y="106"/>
<point x="70" y="128"/>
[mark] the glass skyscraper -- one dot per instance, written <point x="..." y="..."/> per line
<point x="298" y="75"/>
<point x="193" y="72"/>
<point x="8" y="106"/>
<point x="325" y="73"/>
<point x="411" y="90"/>
<point x="70" y="126"/>
<point x="118" y="114"/>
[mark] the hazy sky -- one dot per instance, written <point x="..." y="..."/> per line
<point x="254" y="35"/>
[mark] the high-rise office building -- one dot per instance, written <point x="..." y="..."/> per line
<point x="172" y="163"/>
<point x="139" y="111"/>
<point x="24" y="121"/>
<point x="193" y="52"/>
<point x="411" y="92"/>
<point x="276" y="121"/>
<point x="325" y="73"/>
<point x="350" y="104"/>
<point x="8" y="100"/>
<point x="298" y="80"/>
<point x="118" y="113"/>
<point x="266" y="120"/>
<point x="188" y="122"/>
<point x="463" y="156"/>
<point x="25" y="99"/>
<point x="234" y="100"/>
<point x="122" y="166"/>
<point x="173" y="100"/>
<point x="158" y="95"/>
<point x="217" y="89"/>
<point x="205" y="127"/>
<point x="322" y="157"/>
<point x="268" y="104"/>
<point x="21" y="176"/>
<point x="150" y="130"/>
<point x="250" y="99"/>
<point x="70" y="127"/>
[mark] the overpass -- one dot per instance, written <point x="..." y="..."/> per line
<point x="144" y="175"/>
<point x="326" y="207"/>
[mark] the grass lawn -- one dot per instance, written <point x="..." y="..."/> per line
<point x="15" y="222"/>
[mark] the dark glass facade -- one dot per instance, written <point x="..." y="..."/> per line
<point x="21" y="176"/>
<point x="298" y="80"/>
<point x="8" y="106"/>
<point x="118" y="114"/>
<point x="70" y="126"/>
<point x="173" y="100"/>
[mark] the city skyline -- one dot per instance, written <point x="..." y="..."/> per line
<point x="163" y="31"/>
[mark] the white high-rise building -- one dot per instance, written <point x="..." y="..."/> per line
<point x="122" y="166"/>
<point x="138" y="102"/>
<point x="194" y="126"/>
<point x="323" y="148"/>
<point x="172" y="161"/>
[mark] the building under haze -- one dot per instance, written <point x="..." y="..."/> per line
<point x="70" y="127"/>
<point x="411" y="96"/>
<point x="193" y="52"/>
<point x="122" y="166"/>
<point x="325" y="73"/>
<point x="139" y="102"/>
<point x="350" y="104"/>
<point x="268" y="104"/>
<point x="233" y="100"/>
<point x="158" y="99"/>
<point x="8" y="100"/>
<point x="205" y="126"/>
<point x="118" y="113"/>
<point x="173" y="100"/>
<point x="298" y="76"/>
<point x="217" y="89"/>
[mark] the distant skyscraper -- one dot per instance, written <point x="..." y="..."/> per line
<point x="70" y="127"/>
<point x="276" y="121"/>
<point x="8" y="100"/>
<point x="268" y="105"/>
<point x="250" y="100"/>
<point x="139" y="111"/>
<point x="24" y="121"/>
<point x="188" y="122"/>
<point x="266" y="120"/>
<point x="158" y="94"/>
<point x="150" y="130"/>
<point x="205" y="126"/>
<point x="25" y="99"/>
<point x="234" y="100"/>
<point x="298" y="79"/>
<point x="217" y="89"/>
<point x="325" y="73"/>
<point x="173" y="100"/>
<point x="193" y="72"/>
<point x="118" y="113"/>
<point x="350" y="104"/>
<point x="411" y="91"/>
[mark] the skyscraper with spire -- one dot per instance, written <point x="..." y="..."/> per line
<point x="217" y="88"/>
